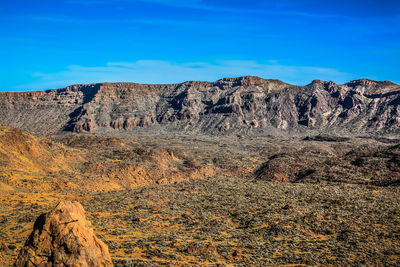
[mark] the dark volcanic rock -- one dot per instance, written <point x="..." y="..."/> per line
<point x="63" y="237"/>
<point x="363" y="165"/>
<point x="231" y="105"/>
<point x="326" y="138"/>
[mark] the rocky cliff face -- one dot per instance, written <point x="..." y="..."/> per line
<point x="232" y="105"/>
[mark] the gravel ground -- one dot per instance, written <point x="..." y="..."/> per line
<point x="234" y="221"/>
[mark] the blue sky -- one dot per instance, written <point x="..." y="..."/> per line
<point x="54" y="43"/>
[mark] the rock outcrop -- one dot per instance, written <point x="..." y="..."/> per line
<point x="378" y="166"/>
<point x="63" y="237"/>
<point x="245" y="105"/>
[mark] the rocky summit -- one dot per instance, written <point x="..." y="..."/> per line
<point x="63" y="237"/>
<point x="244" y="105"/>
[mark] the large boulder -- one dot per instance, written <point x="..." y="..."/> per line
<point x="63" y="237"/>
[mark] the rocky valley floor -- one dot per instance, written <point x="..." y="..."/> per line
<point x="203" y="200"/>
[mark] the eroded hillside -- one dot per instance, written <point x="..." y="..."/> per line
<point x="186" y="199"/>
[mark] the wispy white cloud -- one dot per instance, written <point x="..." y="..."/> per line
<point x="252" y="7"/>
<point x="157" y="71"/>
<point x="385" y="51"/>
<point x="55" y="18"/>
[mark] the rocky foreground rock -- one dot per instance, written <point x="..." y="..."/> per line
<point x="63" y="237"/>
<point x="232" y="105"/>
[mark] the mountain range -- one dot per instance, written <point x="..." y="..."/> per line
<point x="246" y="105"/>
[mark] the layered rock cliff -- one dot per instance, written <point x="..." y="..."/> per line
<point x="232" y="105"/>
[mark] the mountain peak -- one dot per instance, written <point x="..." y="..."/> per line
<point x="362" y="81"/>
<point x="246" y="81"/>
<point x="371" y="84"/>
<point x="320" y="82"/>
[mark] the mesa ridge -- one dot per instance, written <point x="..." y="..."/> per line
<point x="244" y="105"/>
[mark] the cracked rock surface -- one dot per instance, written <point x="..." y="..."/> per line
<point x="63" y="237"/>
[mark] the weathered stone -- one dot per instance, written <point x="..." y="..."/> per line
<point x="63" y="237"/>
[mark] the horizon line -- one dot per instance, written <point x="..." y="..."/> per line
<point x="191" y="81"/>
